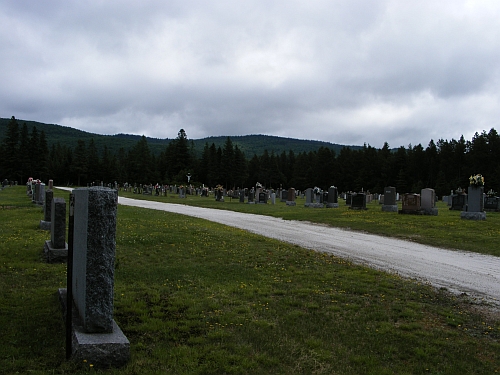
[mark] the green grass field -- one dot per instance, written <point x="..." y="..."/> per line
<point x="194" y="297"/>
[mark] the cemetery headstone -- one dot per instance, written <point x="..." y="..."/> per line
<point x="242" y="196"/>
<point x="273" y="198"/>
<point x="47" y="206"/>
<point x="290" y="197"/>
<point x="262" y="198"/>
<point x="410" y="204"/>
<point x="284" y="195"/>
<point x="56" y="249"/>
<point x="459" y="202"/>
<point x="348" y="199"/>
<point x="428" y="202"/>
<point x="251" y="196"/>
<point x="491" y="203"/>
<point x="332" y="201"/>
<point x="96" y="336"/>
<point x="475" y="203"/>
<point x="389" y="199"/>
<point x="358" y="201"/>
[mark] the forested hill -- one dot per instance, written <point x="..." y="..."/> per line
<point x="249" y="144"/>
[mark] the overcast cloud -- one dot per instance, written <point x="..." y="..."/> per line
<point x="348" y="72"/>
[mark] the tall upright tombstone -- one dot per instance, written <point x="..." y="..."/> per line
<point x="390" y="203"/>
<point x="47" y="207"/>
<point x="97" y="338"/>
<point x="290" y="197"/>
<point x="333" y="201"/>
<point x="475" y="204"/>
<point x="309" y="197"/>
<point x="428" y="202"/>
<point x="56" y="249"/>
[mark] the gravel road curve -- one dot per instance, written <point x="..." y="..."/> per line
<point x="459" y="271"/>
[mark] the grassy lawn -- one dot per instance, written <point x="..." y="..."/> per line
<point x="195" y="299"/>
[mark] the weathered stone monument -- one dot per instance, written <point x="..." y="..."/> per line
<point x="428" y="202"/>
<point x="47" y="207"/>
<point x="96" y="337"/>
<point x="358" y="201"/>
<point x="410" y="204"/>
<point x="333" y="198"/>
<point x="311" y="199"/>
<point x="459" y="201"/>
<point x="475" y="200"/>
<point x="389" y="199"/>
<point x="56" y="249"/>
<point x="262" y="198"/>
<point x="290" y="197"/>
<point x="251" y="195"/>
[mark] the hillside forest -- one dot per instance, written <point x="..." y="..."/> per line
<point x="443" y="165"/>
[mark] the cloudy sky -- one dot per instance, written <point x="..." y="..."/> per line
<point x="342" y="71"/>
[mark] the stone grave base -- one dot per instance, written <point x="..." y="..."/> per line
<point x="357" y="208"/>
<point x="291" y="203"/>
<point x="390" y="208"/>
<point x="473" y="215"/>
<point x="44" y="225"/>
<point x="332" y="205"/>
<point x="430" y="211"/>
<point x="55" y="255"/>
<point x="410" y="212"/>
<point x="314" y="205"/>
<point x="103" y="350"/>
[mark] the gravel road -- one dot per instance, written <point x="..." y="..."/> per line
<point x="459" y="271"/>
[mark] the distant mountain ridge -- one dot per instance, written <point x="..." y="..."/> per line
<point x="248" y="144"/>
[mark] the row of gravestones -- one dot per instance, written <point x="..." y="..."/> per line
<point x="95" y="336"/>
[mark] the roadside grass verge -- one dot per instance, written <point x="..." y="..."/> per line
<point x="195" y="297"/>
<point x="447" y="230"/>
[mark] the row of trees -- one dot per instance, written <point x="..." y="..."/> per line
<point x="444" y="165"/>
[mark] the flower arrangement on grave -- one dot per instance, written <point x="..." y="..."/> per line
<point x="258" y="185"/>
<point x="476" y="180"/>
<point x="219" y="188"/>
<point x="491" y="193"/>
<point x="316" y="190"/>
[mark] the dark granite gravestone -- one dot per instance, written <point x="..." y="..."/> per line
<point x="290" y="197"/>
<point x="262" y="198"/>
<point x="458" y="202"/>
<point x="332" y="200"/>
<point x="348" y="199"/>
<point x="491" y="204"/>
<point x="56" y="249"/>
<point x="390" y="204"/>
<point x="358" y="201"/>
<point x="251" y="196"/>
<point x="47" y="206"/>
<point x="475" y="204"/>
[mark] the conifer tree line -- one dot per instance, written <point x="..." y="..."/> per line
<point x="443" y="165"/>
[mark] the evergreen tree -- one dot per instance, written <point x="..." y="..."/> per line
<point x="94" y="168"/>
<point x="43" y="156"/>
<point x="10" y="149"/>
<point x="79" y="166"/>
<point x="24" y="155"/>
<point x="227" y="171"/>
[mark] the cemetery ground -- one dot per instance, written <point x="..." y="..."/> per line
<point x="195" y="297"/>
